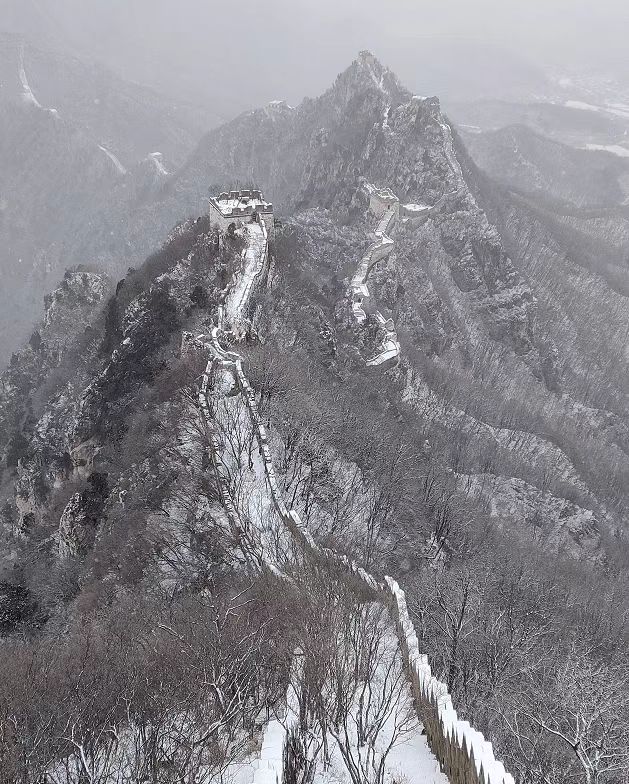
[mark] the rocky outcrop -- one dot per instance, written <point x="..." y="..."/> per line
<point x="69" y="312"/>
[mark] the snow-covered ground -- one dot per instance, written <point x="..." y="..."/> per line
<point x="586" y="107"/>
<point x="410" y="762"/>
<point x="243" y="464"/>
<point x="410" y="759"/>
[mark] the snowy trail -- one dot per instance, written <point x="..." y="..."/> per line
<point x="254" y="259"/>
<point x="410" y="759"/>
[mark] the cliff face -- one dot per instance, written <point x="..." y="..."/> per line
<point x="80" y="402"/>
<point x="54" y="347"/>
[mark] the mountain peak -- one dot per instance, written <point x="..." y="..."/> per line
<point x="366" y="72"/>
<point x="367" y="58"/>
<point x="369" y="64"/>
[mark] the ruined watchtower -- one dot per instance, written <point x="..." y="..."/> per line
<point x="240" y="207"/>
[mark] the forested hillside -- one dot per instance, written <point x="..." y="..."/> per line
<point x="211" y="465"/>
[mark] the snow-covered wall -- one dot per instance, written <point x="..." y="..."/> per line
<point x="269" y="767"/>
<point x="239" y="208"/>
<point x="385" y="206"/>
<point x="464" y="754"/>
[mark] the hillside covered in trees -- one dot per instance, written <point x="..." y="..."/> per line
<point x="156" y="611"/>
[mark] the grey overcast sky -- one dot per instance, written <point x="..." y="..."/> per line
<point x="248" y="52"/>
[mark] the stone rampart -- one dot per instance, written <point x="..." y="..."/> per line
<point x="385" y="205"/>
<point x="464" y="754"/>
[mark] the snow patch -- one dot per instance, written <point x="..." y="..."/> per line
<point x="157" y="159"/>
<point x="618" y="109"/>
<point x="416" y="207"/>
<point x="385" y="118"/>
<point x="281" y="104"/>
<point x="614" y="149"/>
<point x="586" y="107"/>
<point x="28" y="96"/>
<point x="119" y="167"/>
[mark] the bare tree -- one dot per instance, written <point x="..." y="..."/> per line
<point x="372" y="708"/>
<point x="352" y="692"/>
<point x="587" y="713"/>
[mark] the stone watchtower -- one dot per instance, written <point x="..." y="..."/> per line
<point x="236" y="208"/>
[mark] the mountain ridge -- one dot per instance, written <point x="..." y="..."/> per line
<point x="485" y="465"/>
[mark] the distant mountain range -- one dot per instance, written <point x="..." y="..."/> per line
<point x="71" y="136"/>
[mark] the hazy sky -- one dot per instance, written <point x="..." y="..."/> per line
<point x="239" y="53"/>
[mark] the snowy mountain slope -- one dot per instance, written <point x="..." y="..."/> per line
<point x="69" y="133"/>
<point x="486" y="467"/>
<point x="484" y="315"/>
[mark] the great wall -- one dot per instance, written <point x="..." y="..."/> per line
<point x="386" y="207"/>
<point x="462" y="752"/>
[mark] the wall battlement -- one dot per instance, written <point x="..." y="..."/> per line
<point x="239" y="207"/>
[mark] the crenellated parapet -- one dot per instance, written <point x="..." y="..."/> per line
<point x="237" y="208"/>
